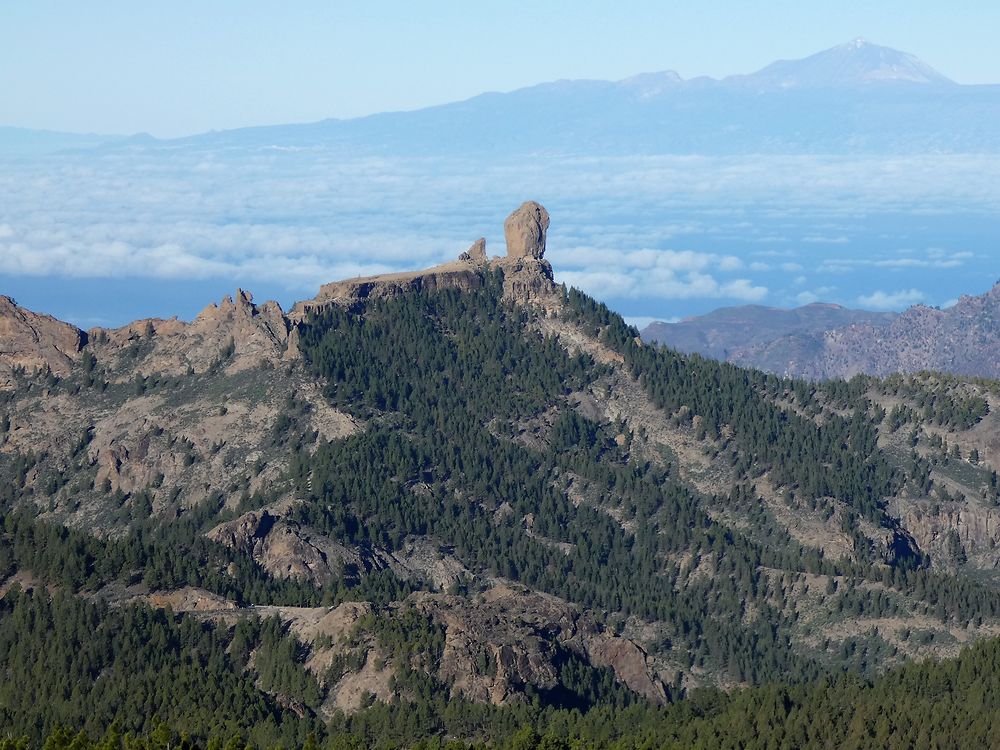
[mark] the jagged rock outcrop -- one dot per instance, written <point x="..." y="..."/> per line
<point x="235" y="334"/>
<point x="454" y="275"/>
<point x="252" y="333"/>
<point x="289" y="550"/>
<point x="476" y="252"/>
<point x="505" y="640"/>
<point x="528" y="277"/>
<point x="32" y="341"/>
<point x="525" y="231"/>
<point x="257" y="332"/>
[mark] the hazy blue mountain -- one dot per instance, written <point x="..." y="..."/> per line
<point x="856" y="63"/>
<point x="854" y="98"/>
<point x="21" y="142"/>
<point x="822" y="341"/>
<point x="730" y="332"/>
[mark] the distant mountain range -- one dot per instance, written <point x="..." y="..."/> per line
<point x="854" y="98"/>
<point x="732" y="331"/>
<point x="28" y="142"/>
<point x="826" y="341"/>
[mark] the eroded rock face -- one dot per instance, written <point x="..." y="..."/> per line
<point x="288" y="550"/>
<point x="235" y="334"/>
<point x="505" y="640"/>
<point x="454" y="275"/>
<point x="476" y="252"/>
<point x="527" y="276"/>
<point x="34" y="342"/>
<point x="525" y="231"/>
<point x="528" y="280"/>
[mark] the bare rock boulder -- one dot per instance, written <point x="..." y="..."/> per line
<point x="525" y="231"/>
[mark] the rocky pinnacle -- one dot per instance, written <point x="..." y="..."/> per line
<point x="525" y="231"/>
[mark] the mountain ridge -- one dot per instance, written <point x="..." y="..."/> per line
<point x="875" y="98"/>
<point x="729" y="330"/>
<point x="961" y="340"/>
<point x="853" y="63"/>
<point x="469" y="487"/>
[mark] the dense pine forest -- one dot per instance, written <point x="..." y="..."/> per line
<point x="476" y="429"/>
<point x="177" y="672"/>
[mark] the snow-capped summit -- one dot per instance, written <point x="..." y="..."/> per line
<point x="647" y="85"/>
<point x="858" y="62"/>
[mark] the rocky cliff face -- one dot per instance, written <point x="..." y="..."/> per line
<point x="964" y="339"/>
<point x="460" y="274"/>
<point x="235" y="333"/>
<point x="33" y="342"/>
<point x="528" y="278"/>
<point x="523" y="637"/>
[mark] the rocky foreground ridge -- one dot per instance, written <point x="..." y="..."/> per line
<point x="34" y="342"/>
<point x="218" y="426"/>
<point x="152" y="446"/>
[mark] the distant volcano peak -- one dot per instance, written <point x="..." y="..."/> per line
<point x="857" y="62"/>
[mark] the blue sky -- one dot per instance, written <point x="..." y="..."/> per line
<point x="184" y="67"/>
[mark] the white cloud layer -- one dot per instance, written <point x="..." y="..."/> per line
<point x="891" y="300"/>
<point x="636" y="230"/>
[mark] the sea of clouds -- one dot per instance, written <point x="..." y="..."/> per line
<point x="655" y="237"/>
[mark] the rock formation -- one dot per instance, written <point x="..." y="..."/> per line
<point x="35" y="342"/>
<point x="476" y="252"/>
<point x="257" y="332"/>
<point x="289" y="550"/>
<point x="527" y="276"/>
<point x="523" y="635"/>
<point x="525" y="231"/>
<point x="236" y="333"/>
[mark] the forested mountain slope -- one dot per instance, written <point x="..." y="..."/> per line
<point x="461" y="488"/>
